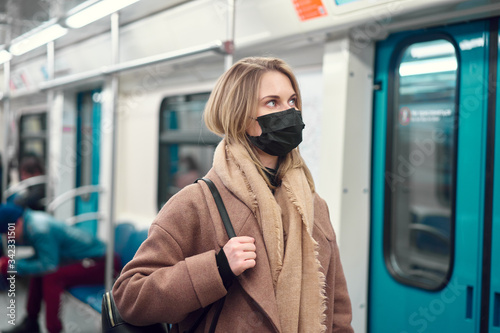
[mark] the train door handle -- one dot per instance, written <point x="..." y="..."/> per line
<point x="470" y="300"/>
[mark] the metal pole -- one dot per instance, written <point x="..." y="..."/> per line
<point x="115" y="51"/>
<point x="50" y="160"/>
<point x="6" y="113"/>
<point x="230" y="28"/>
<point x="6" y="123"/>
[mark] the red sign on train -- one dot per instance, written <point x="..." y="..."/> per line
<point x="309" y="9"/>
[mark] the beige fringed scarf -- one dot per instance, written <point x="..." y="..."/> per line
<point x="286" y="220"/>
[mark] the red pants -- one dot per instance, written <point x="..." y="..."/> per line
<point x="51" y="286"/>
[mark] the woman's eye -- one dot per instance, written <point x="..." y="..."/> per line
<point x="292" y="102"/>
<point x="271" y="103"/>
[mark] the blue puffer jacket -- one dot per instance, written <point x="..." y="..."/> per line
<point x="55" y="243"/>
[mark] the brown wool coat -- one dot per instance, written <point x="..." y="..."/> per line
<point x="174" y="273"/>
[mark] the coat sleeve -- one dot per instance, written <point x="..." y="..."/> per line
<point x="174" y="271"/>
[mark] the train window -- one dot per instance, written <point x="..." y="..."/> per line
<point x="420" y="166"/>
<point x="186" y="145"/>
<point x="33" y="135"/>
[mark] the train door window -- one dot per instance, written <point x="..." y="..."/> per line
<point x="186" y="145"/>
<point x="33" y="135"/>
<point x="421" y="163"/>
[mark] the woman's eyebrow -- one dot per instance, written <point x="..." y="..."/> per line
<point x="277" y="97"/>
<point x="270" y="96"/>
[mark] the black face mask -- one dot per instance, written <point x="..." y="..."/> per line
<point x="281" y="132"/>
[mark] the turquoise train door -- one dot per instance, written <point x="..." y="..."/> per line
<point x="88" y="141"/>
<point x="433" y="267"/>
<point x="494" y="152"/>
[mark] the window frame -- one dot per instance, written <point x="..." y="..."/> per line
<point x="202" y="139"/>
<point x="393" y="82"/>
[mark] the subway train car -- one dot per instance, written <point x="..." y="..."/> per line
<point x="400" y="106"/>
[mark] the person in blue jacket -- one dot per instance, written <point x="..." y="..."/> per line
<point x="64" y="256"/>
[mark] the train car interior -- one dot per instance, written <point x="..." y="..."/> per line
<point x="400" y="101"/>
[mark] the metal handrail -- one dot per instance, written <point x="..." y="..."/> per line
<point x="76" y="192"/>
<point x="84" y="217"/>
<point x="22" y="185"/>
<point x="216" y="45"/>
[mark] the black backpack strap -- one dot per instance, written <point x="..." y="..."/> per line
<point x="218" y="310"/>
<point x="199" y="319"/>
<point x="220" y="206"/>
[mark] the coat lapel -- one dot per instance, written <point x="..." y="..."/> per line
<point x="257" y="281"/>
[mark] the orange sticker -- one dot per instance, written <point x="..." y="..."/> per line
<point x="309" y="9"/>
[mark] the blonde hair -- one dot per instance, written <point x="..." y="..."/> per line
<point x="233" y="103"/>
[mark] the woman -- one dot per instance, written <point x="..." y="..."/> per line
<point x="283" y="272"/>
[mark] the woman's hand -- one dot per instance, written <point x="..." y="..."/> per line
<point x="240" y="253"/>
